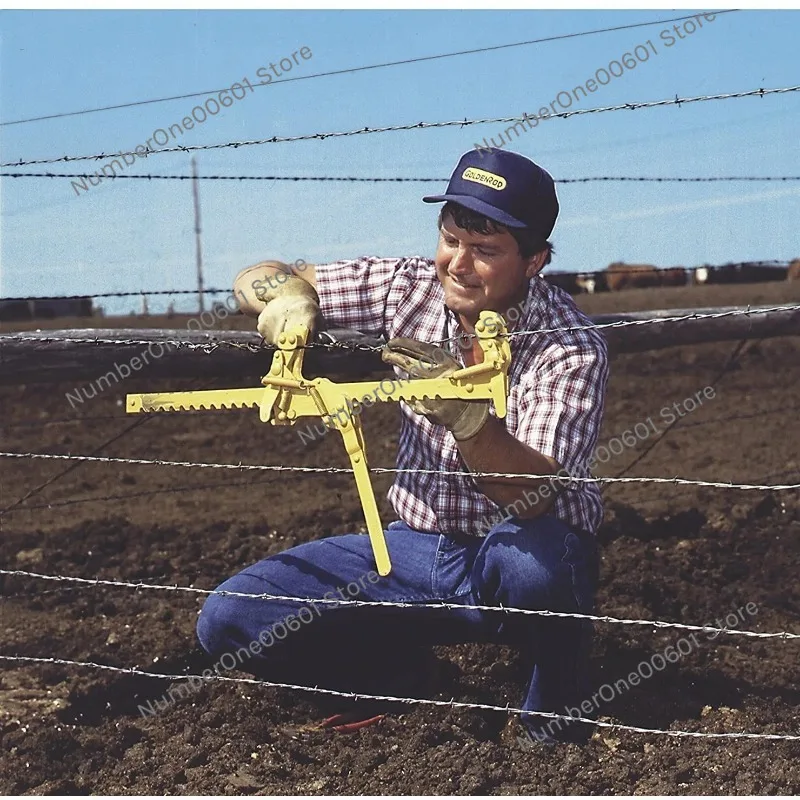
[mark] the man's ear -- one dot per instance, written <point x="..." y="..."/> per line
<point x="536" y="263"/>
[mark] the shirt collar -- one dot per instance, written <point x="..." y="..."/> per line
<point x="530" y="317"/>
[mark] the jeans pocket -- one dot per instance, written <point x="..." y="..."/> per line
<point x="452" y="568"/>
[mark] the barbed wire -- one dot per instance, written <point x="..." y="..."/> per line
<point x="351" y="70"/>
<point x="400" y="604"/>
<point x="60" y="590"/>
<point x="507" y="709"/>
<point x="267" y="481"/>
<point x="140" y="293"/>
<point x="678" y="101"/>
<point x="394" y="471"/>
<point x="546" y="276"/>
<point x="355" y="179"/>
<point x="212" y="344"/>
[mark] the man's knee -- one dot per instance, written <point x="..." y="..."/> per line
<point x="219" y="626"/>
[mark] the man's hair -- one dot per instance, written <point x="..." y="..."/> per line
<point x="527" y="241"/>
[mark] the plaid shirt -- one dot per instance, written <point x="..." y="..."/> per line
<point x="556" y="396"/>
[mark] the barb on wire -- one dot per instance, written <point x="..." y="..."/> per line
<point x="393" y="471"/>
<point x="356" y="179"/>
<point x="400" y="604"/>
<point x="507" y="709"/>
<point x="410" y="127"/>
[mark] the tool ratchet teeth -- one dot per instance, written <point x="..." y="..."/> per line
<point x="160" y="406"/>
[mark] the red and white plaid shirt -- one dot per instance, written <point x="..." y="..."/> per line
<point x="556" y="396"/>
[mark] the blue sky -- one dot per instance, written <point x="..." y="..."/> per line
<point x="130" y="235"/>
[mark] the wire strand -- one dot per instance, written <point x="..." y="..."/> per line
<point x="393" y="471"/>
<point x="399" y="604"/>
<point x="350" y="70"/>
<point x="678" y="101"/>
<point x="211" y="345"/>
<point x="353" y="179"/>
<point x="507" y="709"/>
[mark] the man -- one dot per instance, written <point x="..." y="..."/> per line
<point x="453" y="542"/>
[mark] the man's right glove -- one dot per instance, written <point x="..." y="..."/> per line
<point x="289" y="303"/>
<point x="463" y="418"/>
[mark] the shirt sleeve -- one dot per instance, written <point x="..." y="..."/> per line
<point x="561" y="403"/>
<point x="365" y="293"/>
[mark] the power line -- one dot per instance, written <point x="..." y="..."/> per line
<point x="364" y="68"/>
<point x="355" y="179"/>
<point x="321" y="136"/>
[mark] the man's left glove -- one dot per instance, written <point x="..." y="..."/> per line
<point x="463" y="418"/>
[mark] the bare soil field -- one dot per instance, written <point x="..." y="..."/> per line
<point x="669" y="552"/>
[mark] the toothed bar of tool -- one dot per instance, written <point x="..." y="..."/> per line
<point x="286" y="396"/>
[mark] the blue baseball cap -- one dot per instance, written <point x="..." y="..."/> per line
<point x="505" y="187"/>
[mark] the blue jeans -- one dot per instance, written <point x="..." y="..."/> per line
<point x="533" y="563"/>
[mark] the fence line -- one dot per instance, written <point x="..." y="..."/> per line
<point x="356" y="179"/>
<point x="211" y="345"/>
<point x="237" y="484"/>
<point x="398" y="604"/>
<point x="678" y="101"/>
<point x="394" y="471"/>
<point x="507" y="709"/>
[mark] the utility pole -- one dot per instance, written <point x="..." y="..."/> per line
<point x="198" y="239"/>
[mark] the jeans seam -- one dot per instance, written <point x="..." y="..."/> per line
<point x="571" y="565"/>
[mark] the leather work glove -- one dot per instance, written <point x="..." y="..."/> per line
<point x="463" y="418"/>
<point x="289" y="303"/>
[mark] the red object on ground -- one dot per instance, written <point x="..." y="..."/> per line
<point x="342" y="722"/>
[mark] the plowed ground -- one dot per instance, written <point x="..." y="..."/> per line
<point x="669" y="552"/>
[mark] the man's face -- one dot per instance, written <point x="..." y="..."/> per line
<point x="482" y="271"/>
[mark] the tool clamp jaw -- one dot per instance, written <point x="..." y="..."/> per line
<point x="287" y="396"/>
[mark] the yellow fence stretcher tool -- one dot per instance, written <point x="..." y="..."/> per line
<point x="286" y="396"/>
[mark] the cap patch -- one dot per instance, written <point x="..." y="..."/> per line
<point x="484" y="178"/>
